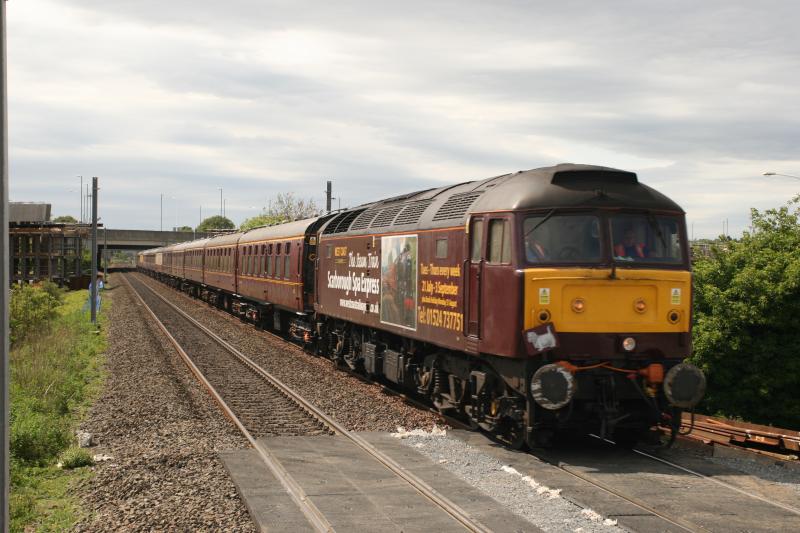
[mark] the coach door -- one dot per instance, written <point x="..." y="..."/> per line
<point x="475" y="272"/>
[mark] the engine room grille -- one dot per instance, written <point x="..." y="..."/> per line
<point x="411" y="213"/>
<point x="364" y="219"/>
<point x="456" y="206"/>
<point x="386" y="216"/>
<point x="342" y="222"/>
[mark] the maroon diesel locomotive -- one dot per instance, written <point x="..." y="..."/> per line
<point x="526" y="303"/>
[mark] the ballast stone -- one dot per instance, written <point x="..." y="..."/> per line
<point x="85" y="439"/>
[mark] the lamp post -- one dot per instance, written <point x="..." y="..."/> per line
<point x="81" y="192"/>
<point x="220" y="201"/>
<point x="779" y="174"/>
<point x="176" y="212"/>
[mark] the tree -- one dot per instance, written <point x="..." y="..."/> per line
<point x="261" y="220"/>
<point x="747" y="319"/>
<point x="65" y="219"/>
<point x="285" y="208"/>
<point x="185" y="229"/>
<point x="215" y="222"/>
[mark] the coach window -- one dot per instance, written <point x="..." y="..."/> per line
<point x="499" y="241"/>
<point x="287" y="267"/>
<point x="441" y="248"/>
<point x="477" y="239"/>
<point x="328" y="250"/>
<point x="278" y="261"/>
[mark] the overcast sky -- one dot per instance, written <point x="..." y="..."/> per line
<point x="261" y="97"/>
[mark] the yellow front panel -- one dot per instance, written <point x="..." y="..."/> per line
<point x="609" y="305"/>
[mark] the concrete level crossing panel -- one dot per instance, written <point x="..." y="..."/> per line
<point x="355" y="492"/>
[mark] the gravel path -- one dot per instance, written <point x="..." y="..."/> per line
<point x="541" y="505"/>
<point x="162" y="433"/>
<point x="357" y="405"/>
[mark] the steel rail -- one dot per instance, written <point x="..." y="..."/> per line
<point x="296" y="492"/>
<point x="734" y="488"/>
<point x="441" y="501"/>
<point x="687" y="526"/>
<point x="718" y="482"/>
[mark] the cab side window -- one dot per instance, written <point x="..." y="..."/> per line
<point x="477" y="239"/>
<point x="499" y="249"/>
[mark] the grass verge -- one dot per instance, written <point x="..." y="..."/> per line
<point x="56" y="371"/>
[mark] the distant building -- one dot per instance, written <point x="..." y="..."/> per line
<point x="28" y="212"/>
<point x="43" y="250"/>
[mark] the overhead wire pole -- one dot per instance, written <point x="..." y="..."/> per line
<point x="4" y="275"/>
<point x="328" y="196"/>
<point x="93" y="296"/>
<point x="105" y="253"/>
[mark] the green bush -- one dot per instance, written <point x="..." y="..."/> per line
<point x="36" y="437"/>
<point x="55" y="292"/>
<point x="31" y="309"/>
<point x="747" y="321"/>
<point x="75" y="457"/>
<point x="56" y="370"/>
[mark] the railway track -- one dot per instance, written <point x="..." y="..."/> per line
<point x="233" y="380"/>
<point x="627" y="489"/>
<point x="690" y="500"/>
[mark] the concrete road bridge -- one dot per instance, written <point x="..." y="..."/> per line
<point x="135" y="239"/>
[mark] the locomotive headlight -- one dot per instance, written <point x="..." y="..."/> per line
<point x="673" y="316"/>
<point x="640" y="306"/>
<point x="578" y="305"/>
<point x="553" y="386"/>
<point x="629" y="344"/>
<point x="684" y="385"/>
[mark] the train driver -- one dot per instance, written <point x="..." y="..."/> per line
<point x="629" y="247"/>
<point x="534" y="250"/>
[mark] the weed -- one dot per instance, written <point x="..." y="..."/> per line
<point x="74" y="457"/>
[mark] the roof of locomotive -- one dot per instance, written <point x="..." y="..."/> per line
<point x="278" y="231"/>
<point x="560" y="186"/>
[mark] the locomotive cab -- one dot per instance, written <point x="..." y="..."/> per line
<point x="612" y="289"/>
<point x="597" y="266"/>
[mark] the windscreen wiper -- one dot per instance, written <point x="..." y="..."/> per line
<point x="545" y="219"/>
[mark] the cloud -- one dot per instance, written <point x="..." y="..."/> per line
<point x="261" y="97"/>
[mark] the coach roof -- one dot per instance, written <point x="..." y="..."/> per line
<point x="278" y="231"/>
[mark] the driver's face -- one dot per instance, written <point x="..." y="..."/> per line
<point x="629" y="238"/>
